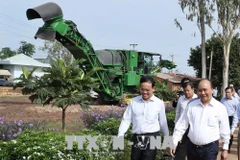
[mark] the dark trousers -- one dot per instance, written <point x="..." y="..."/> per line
<point x="205" y="152"/>
<point x="141" y="147"/>
<point x="181" y="150"/>
<point x="230" y="118"/>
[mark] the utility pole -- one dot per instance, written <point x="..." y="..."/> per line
<point x="210" y="66"/>
<point x="133" y="45"/>
<point x="172" y="56"/>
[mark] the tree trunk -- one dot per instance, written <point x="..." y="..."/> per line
<point x="63" y="118"/>
<point x="202" y="28"/>
<point x="226" y="49"/>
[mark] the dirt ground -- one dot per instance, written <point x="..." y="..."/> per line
<point x="21" y="108"/>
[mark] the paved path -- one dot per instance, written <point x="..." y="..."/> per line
<point x="233" y="153"/>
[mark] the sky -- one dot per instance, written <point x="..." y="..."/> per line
<point x="110" y="24"/>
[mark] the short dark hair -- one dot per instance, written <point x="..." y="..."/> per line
<point x="227" y="88"/>
<point x="187" y="84"/>
<point x="185" y="80"/>
<point x="147" y="79"/>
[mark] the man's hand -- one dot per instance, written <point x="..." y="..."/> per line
<point x="219" y="143"/>
<point x="172" y="152"/>
<point x="224" y="155"/>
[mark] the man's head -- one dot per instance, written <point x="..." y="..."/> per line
<point x="188" y="90"/>
<point x="185" y="80"/>
<point x="205" y="91"/>
<point x="147" y="87"/>
<point x="229" y="92"/>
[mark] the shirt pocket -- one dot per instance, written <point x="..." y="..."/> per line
<point x="213" y="121"/>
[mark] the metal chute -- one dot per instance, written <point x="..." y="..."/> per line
<point x="47" y="11"/>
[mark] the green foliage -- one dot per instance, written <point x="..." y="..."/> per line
<point x="215" y="45"/>
<point x="170" y="120"/>
<point x="49" y="145"/>
<point x="6" y="52"/>
<point x="94" y="115"/>
<point x="163" y="92"/>
<point x="110" y="127"/>
<point x="57" y="51"/>
<point x="62" y="85"/>
<point x="27" y="80"/>
<point x="26" y="48"/>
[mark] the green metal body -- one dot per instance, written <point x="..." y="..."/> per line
<point x="121" y="70"/>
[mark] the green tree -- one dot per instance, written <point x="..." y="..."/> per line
<point x="6" y="53"/>
<point x="228" y="18"/>
<point x="215" y="44"/>
<point x="26" y="48"/>
<point x="28" y="80"/>
<point x="62" y="85"/>
<point x="201" y="11"/>
<point x="56" y="50"/>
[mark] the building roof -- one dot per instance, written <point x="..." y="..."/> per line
<point x="23" y="60"/>
<point x="169" y="77"/>
<point x="184" y="76"/>
<point x="4" y="72"/>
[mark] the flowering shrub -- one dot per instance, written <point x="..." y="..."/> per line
<point x="10" y="130"/>
<point x="51" y="145"/>
<point x="94" y="115"/>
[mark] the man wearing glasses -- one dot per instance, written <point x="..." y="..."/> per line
<point x="147" y="115"/>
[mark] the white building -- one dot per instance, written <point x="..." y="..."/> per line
<point x="14" y="65"/>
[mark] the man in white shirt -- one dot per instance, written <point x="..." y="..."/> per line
<point x="189" y="94"/>
<point x="231" y="104"/>
<point x="147" y="115"/>
<point x="208" y="122"/>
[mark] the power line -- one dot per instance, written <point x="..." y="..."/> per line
<point x="14" y="33"/>
<point x="14" y="27"/>
<point x="18" y="21"/>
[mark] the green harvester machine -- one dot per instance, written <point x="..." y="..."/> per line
<point x="121" y="70"/>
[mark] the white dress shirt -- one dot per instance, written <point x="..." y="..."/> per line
<point x="207" y="123"/>
<point x="181" y="105"/>
<point x="146" y="117"/>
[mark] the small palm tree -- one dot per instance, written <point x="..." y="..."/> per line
<point x="64" y="85"/>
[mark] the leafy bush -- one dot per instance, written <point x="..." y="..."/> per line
<point x="170" y="119"/>
<point x="10" y="130"/>
<point x="94" y="115"/>
<point x="163" y="92"/>
<point x="110" y="127"/>
<point x="51" y="145"/>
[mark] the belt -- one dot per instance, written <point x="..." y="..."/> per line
<point x="146" y="134"/>
<point x="205" y="145"/>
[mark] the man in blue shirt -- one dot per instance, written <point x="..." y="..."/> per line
<point x="231" y="105"/>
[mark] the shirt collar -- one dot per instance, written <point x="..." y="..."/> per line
<point x="211" y="103"/>
<point x="229" y="98"/>
<point x="151" y="99"/>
